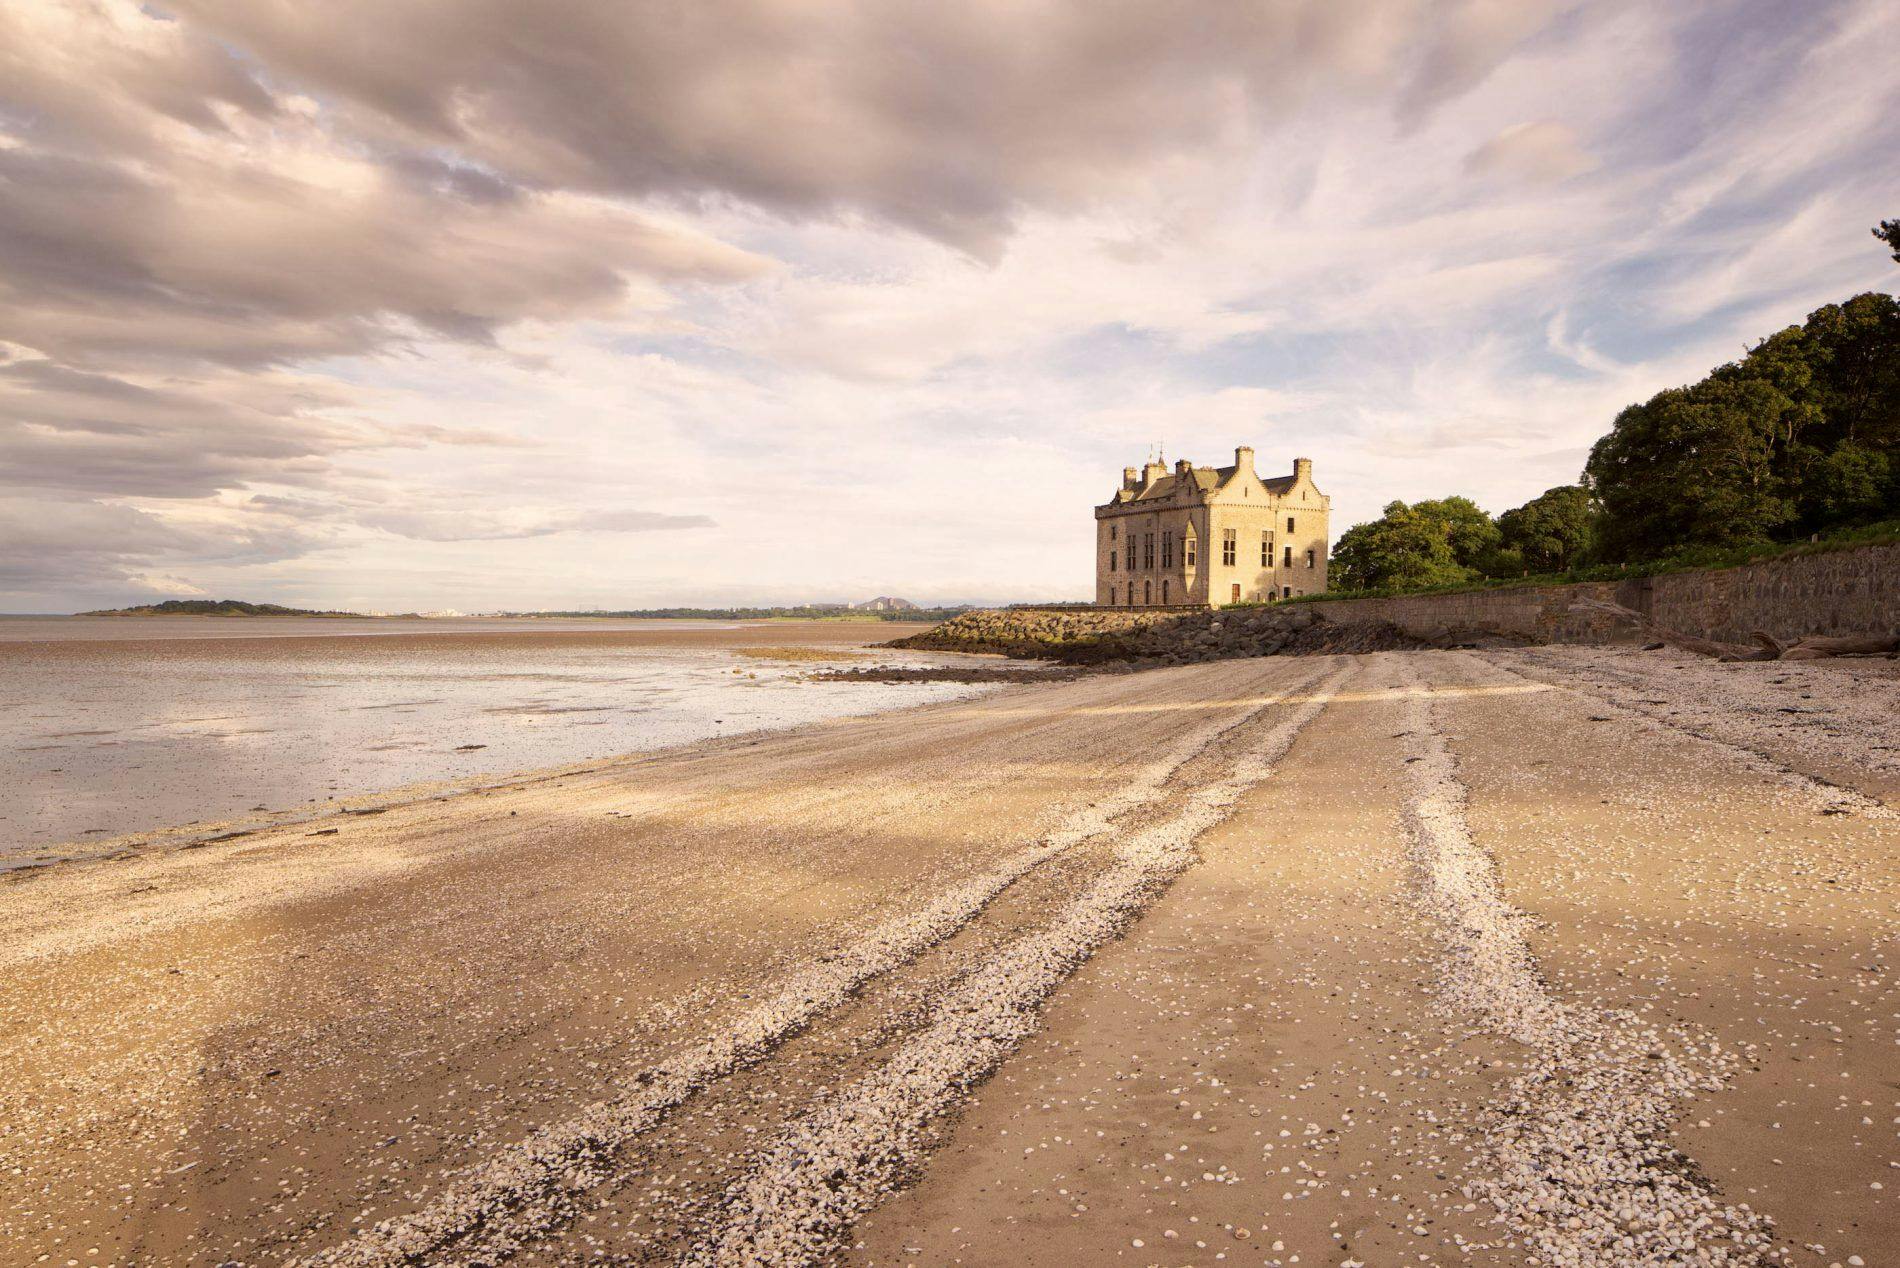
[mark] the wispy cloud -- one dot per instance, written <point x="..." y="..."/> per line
<point x="862" y="296"/>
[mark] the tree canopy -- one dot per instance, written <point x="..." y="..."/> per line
<point x="1797" y="437"/>
<point x="1801" y="436"/>
<point x="1428" y="543"/>
<point x="1550" y="532"/>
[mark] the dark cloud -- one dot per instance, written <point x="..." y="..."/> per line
<point x="79" y="546"/>
<point x="945" y="118"/>
<point x="83" y="432"/>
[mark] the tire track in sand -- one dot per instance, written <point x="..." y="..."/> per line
<point x="530" y="1186"/>
<point x="837" y="1163"/>
<point x="1579" y="1164"/>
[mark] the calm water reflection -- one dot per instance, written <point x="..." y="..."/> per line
<point x="114" y="727"/>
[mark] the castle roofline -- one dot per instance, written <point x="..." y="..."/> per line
<point x="1153" y="482"/>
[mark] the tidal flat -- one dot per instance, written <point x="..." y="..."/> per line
<point x="111" y="728"/>
<point x="1576" y="956"/>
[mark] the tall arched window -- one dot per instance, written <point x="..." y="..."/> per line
<point x="1147" y="593"/>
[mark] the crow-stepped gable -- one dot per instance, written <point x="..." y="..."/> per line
<point x="1204" y="536"/>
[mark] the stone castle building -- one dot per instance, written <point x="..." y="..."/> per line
<point x="1204" y="536"/>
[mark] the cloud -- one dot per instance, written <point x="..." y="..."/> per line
<point x="392" y="300"/>
<point x="86" y="547"/>
<point x="479" y="524"/>
<point x="1543" y="152"/>
<point x="945" y="119"/>
<point x="90" y="433"/>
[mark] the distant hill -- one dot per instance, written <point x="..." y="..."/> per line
<point x="884" y="603"/>
<point x="212" y="607"/>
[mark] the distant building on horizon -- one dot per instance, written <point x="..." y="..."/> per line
<point x="1206" y="536"/>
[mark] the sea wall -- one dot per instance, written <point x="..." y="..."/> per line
<point x="1840" y="592"/>
<point x="1837" y="592"/>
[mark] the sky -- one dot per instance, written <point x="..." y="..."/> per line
<point x="466" y="304"/>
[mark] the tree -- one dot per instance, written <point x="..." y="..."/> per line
<point x="1889" y="233"/>
<point x="1691" y="467"/>
<point x="1408" y="547"/>
<point x="1549" y="533"/>
<point x="1853" y="484"/>
<point x="1471" y="532"/>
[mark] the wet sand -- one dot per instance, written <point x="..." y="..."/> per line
<point x="1560" y="956"/>
<point x="113" y="730"/>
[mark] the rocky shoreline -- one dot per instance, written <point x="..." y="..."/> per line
<point x="1141" y="640"/>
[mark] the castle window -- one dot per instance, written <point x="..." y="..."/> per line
<point x="1309" y="559"/>
<point x="1266" y="549"/>
<point x="1164" y="591"/>
<point x="1229" y="546"/>
<point x="1289" y="556"/>
<point x="1111" y="532"/>
<point x="1187" y="551"/>
<point x="1111" y="561"/>
<point x="1147" y="550"/>
<point x="1289" y="523"/>
<point x="1286" y="592"/>
<point x="1148" y="592"/>
<point x="1167" y="558"/>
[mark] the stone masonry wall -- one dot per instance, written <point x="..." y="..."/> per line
<point x="1840" y="592"/>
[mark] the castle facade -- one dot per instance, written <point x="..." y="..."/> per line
<point x="1207" y="536"/>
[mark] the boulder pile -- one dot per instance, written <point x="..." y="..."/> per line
<point x="1085" y="636"/>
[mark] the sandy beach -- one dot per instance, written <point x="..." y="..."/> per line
<point x="1555" y="955"/>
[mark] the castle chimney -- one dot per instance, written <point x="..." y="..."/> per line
<point x="1243" y="460"/>
<point x="1131" y="478"/>
<point x="1303" y="469"/>
<point x="1152" y="471"/>
<point x="1182" y="466"/>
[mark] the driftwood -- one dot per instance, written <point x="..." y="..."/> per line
<point x="1768" y="647"/>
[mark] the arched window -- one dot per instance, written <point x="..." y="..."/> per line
<point x="1147" y="592"/>
<point x="1164" y="592"/>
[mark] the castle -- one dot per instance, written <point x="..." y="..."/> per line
<point x="1204" y="536"/>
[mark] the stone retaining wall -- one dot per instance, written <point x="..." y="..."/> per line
<point x="1839" y="592"/>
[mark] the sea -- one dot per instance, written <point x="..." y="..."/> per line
<point x="112" y="727"/>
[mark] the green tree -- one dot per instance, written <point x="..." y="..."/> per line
<point x="1549" y="533"/>
<point x="1853" y="484"/>
<point x="1470" y="530"/>
<point x="1889" y="233"/>
<point x="1408" y="547"/>
<point x="1691" y="467"/>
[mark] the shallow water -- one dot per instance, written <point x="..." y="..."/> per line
<point x="125" y="726"/>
